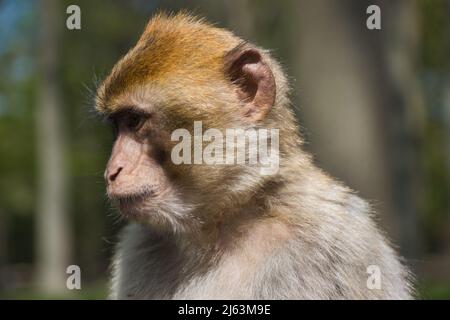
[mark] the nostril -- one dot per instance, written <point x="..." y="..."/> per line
<point x="114" y="175"/>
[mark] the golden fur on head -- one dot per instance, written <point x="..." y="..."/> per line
<point x="177" y="45"/>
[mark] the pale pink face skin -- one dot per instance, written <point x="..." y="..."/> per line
<point x="134" y="173"/>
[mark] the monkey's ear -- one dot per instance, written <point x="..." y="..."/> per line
<point x="254" y="80"/>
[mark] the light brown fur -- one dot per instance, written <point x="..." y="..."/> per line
<point x="226" y="231"/>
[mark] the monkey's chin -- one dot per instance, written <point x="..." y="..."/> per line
<point x="141" y="209"/>
<point x="163" y="210"/>
<point x="159" y="213"/>
<point x="132" y="205"/>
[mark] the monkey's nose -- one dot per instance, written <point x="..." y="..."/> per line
<point x="113" y="174"/>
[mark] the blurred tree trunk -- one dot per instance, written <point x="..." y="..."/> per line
<point x="240" y="18"/>
<point x="447" y="128"/>
<point x="3" y="237"/>
<point x="353" y="119"/>
<point x="405" y="112"/>
<point x="340" y="105"/>
<point x="53" y="241"/>
<point x="3" y="248"/>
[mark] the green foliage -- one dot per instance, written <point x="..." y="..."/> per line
<point x="434" y="290"/>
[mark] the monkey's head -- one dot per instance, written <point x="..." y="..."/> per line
<point x="182" y="71"/>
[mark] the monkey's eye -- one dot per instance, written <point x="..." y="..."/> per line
<point x="134" y="121"/>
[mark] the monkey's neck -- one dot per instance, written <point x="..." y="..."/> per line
<point x="262" y="211"/>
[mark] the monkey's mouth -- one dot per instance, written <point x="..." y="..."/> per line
<point x="129" y="197"/>
<point x="130" y="204"/>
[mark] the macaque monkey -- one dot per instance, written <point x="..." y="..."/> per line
<point x="227" y="231"/>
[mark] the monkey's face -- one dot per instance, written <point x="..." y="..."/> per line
<point x="134" y="173"/>
<point x="143" y="178"/>
<point x="149" y="96"/>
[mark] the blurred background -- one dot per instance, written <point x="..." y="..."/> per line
<point x="374" y="106"/>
